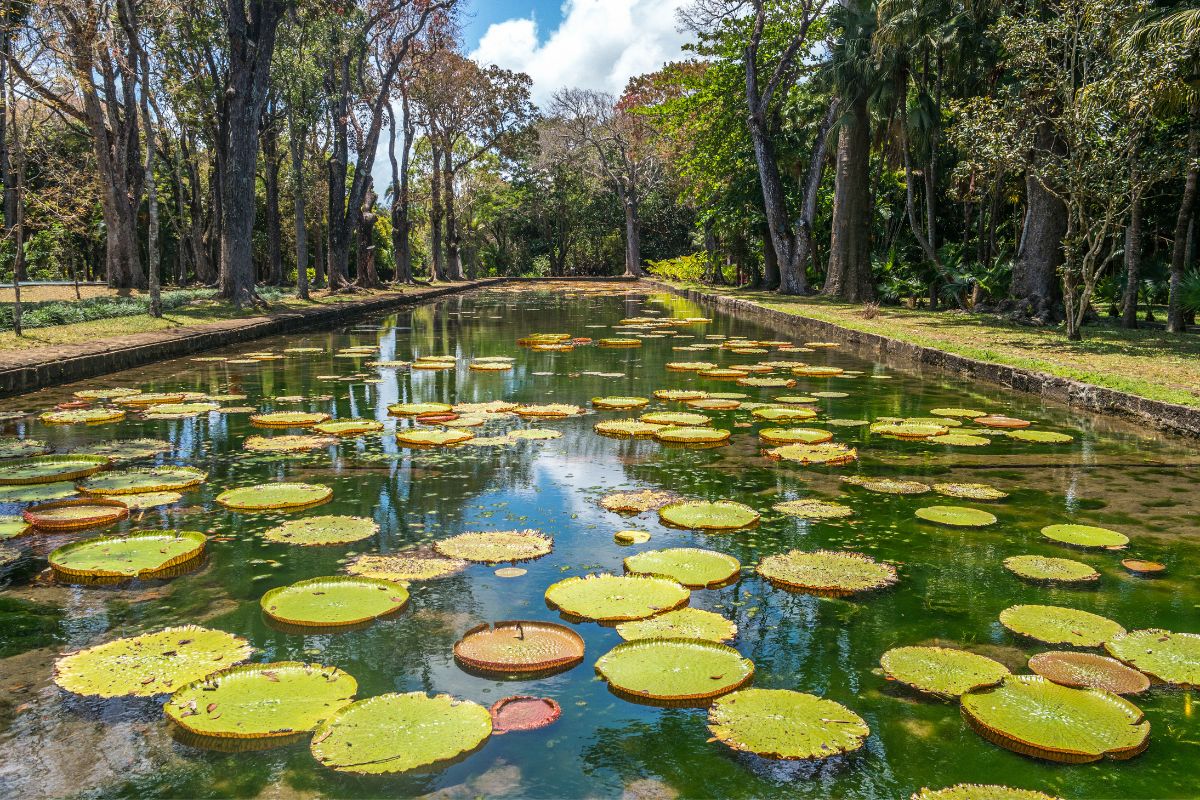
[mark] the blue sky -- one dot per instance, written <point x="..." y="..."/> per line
<point x="483" y="13"/>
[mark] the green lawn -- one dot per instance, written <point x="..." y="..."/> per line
<point x="1150" y="363"/>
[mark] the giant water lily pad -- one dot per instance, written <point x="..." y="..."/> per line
<point x="674" y="670"/>
<point x="813" y="509"/>
<point x="42" y="492"/>
<point x="695" y="436"/>
<point x="627" y="428"/>
<point x="324" y="530"/>
<point x="1040" y="437"/>
<point x="968" y="413"/>
<point x="619" y="403"/>
<point x="418" y="409"/>
<point x="129" y="556"/>
<point x="549" y="410"/>
<point x="136" y="481"/>
<point x="1060" y="625"/>
<point x="48" y="469"/>
<point x="960" y="440"/>
<point x="420" y="437"/>
<point x="909" y="430"/>
<point x="83" y="416"/>
<point x="886" y="485"/>
<point x="272" y="496"/>
<point x="1166" y="656"/>
<point x="106" y="394"/>
<point x="691" y="566"/>
<point x="714" y="515"/>
<point x="520" y="646"/>
<point x="149" y="664"/>
<point x="1036" y="717"/>
<point x="782" y="724"/>
<point x="70" y="515"/>
<point x="493" y="547"/>
<point x="179" y="410"/>
<point x="1045" y="568"/>
<point x="1002" y="422"/>
<point x="147" y="399"/>
<point x="616" y="598"/>
<point x="288" y="444"/>
<point x="826" y="572"/>
<point x="12" y="447"/>
<point x="637" y="502"/>
<point x="828" y="454"/>
<point x="969" y="491"/>
<point x="12" y="526"/>
<point x="680" y="395"/>
<point x="394" y="733"/>
<point x="124" y="449"/>
<point x="348" y="427"/>
<point x="288" y="419"/>
<point x="261" y="701"/>
<point x="980" y="791"/>
<point x="1085" y="536"/>
<point x="1089" y="671"/>
<point x="404" y="567"/>
<point x="144" y="500"/>
<point x="783" y="414"/>
<point x="679" y="419"/>
<point x="333" y="601"/>
<point x="941" y="671"/>
<point x="781" y="436"/>
<point x="682" y="623"/>
<point x="956" y="516"/>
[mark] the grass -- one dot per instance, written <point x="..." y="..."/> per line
<point x="1147" y="363"/>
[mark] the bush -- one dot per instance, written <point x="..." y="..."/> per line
<point x="689" y="268"/>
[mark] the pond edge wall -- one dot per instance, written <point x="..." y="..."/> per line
<point x="1169" y="417"/>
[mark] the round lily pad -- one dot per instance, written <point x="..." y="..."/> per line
<point x="534" y="434"/>
<point x="418" y="409"/>
<point x="1059" y="625"/>
<point x="637" y="502"/>
<point x="956" y="516"/>
<point x="969" y="491"/>
<point x="627" y="428"/>
<point x="419" y="437"/>
<point x="271" y="496"/>
<point x="782" y="724"/>
<point x="682" y="419"/>
<point x="682" y="623"/>
<point x="817" y="372"/>
<point x="1045" y="568"/>
<point x="616" y="598"/>
<point x="106" y="394"/>
<point x="968" y="413"/>
<point x="394" y="733"/>
<point x="550" y="410"/>
<point x="909" y="430"/>
<point x="523" y="713"/>
<point x="767" y="383"/>
<point x="12" y="447"/>
<point x="780" y="436"/>
<point x="83" y="416"/>
<point x="348" y="427"/>
<point x="135" y="481"/>
<point x="1041" y="437"/>
<point x="684" y="435"/>
<point x="149" y="664"/>
<point x="711" y="403"/>
<point x="941" y="671"/>
<point x="70" y="515"/>
<point x="1085" y="536"/>
<point x="38" y="493"/>
<point x="674" y="670"/>
<point x="680" y="395"/>
<point x="1001" y="421"/>
<point x="1146" y="569"/>
<point x="631" y="537"/>
<point x="261" y="701"/>
<point x="520" y="646"/>
<point x="1036" y="717"/>
<point x="691" y="566"/>
<point x="325" y="530"/>
<point x="619" y="403"/>
<point x="980" y="791"/>
<point x="826" y="572"/>
<point x="333" y="601"/>
<point x="287" y="444"/>
<point x="12" y="526"/>
<point x="132" y="555"/>
<point x="886" y="485"/>
<point x="715" y="515"/>
<point x="288" y="419"/>
<point x="783" y="414"/>
<point x="48" y="469"/>
<point x="1169" y="657"/>
<point x="144" y="500"/>
<point x="179" y="410"/>
<point x="1089" y="671"/>
<point x="404" y="567"/>
<point x="813" y="509"/>
<point x="493" y="547"/>
<point x="124" y="449"/>
<point x="828" y="454"/>
<point x="960" y="440"/>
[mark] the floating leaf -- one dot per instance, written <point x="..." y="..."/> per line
<point x="613" y="598"/>
<point x="941" y="671"/>
<point x="131" y="555"/>
<point x="1085" y="536"/>
<point x="1166" y="656"/>
<point x="1041" y="437"/>
<point x="287" y="444"/>
<point x="627" y="428"/>
<point x="716" y="515"/>
<point x="1033" y="716"/>
<point x="619" y="403"/>
<point x="960" y="440"/>
<point x="420" y="437"/>
<point x="333" y="601"/>
<point x="124" y="449"/>
<point x="956" y="516"/>
<point x="12" y="526"/>
<point x="779" y="436"/>
<point x="682" y="623"/>
<point x="85" y="416"/>
<point x="49" y="469"/>
<point x="637" y="502"/>
<point x="520" y="646"/>
<point x="325" y="530"/>
<point x="886" y="485"/>
<point x="1144" y="568"/>
<point x="270" y="496"/>
<point x="1001" y="421"/>
<point x="1059" y="625"/>
<point x="287" y="419"/>
<point x="969" y="491"/>
<point x="69" y="515"/>
<point x="149" y="664"/>
<point x="1045" y="568"/>
<point x="394" y="733"/>
<point x="813" y="509"/>
<point x="144" y="500"/>
<point x="828" y="454"/>
<point x="135" y="481"/>
<point x="711" y="403"/>
<point x="1089" y="671"/>
<point x="106" y="394"/>
<point x="418" y="409"/>
<point x="979" y="791"/>
<point x="682" y="419"/>
<point x="534" y="434"/>
<point x="493" y="547"/>
<point x="782" y="724"/>
<point x="957" y="412"/>
<point x="783" y="414"/>
<point x="12" y="447"/>
<point x="826" y="572"/>
<point x="348" y="427"/>
<point x="691" y="566"/>
<point x="549" y="410"/>
<point x="674" y="670"/>
<point x="631" y="537"/>
<point x="681" y="395"/>
<point x="39" y="493"/>
<point x="909" y="430"/>
<point x="523" y="713"/>
<point x="405" y="567"/>
<point x="696" y="436"/>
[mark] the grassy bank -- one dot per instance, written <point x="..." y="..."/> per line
<point x="1147" y="363"/>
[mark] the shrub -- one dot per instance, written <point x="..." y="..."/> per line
<point x="686" y="268"/>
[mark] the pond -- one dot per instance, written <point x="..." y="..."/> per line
<point x="951" y="582"/>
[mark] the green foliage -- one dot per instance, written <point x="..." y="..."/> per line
<point x="690" y="268"/>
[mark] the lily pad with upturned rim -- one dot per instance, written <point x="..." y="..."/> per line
<point x="813" y="509"/>
<point x="680" y="395"/>
<point x="548" y="410"/>
<point x="886" y="485"/>
<point x="394" y="733"/>
<point x="674" y="670"/>
<point x="13" y="447"/>
<point x="288" y="444"/>
<point x="676" y="419"/>
<point x="956" y="516"/>
<point x="941" y="671"/>
<point x="1085" y="536"/>
<point x="49" y="469"/>
<point x="1001" y="421"/>
<point x="692" y="567"/>
<point x="39" y="493"/>
<point x="783" y="724"/>
<point x="637" y="502"/>
<point x="404" y="567"/>
<point x="616" y="598"/>
<point x="969" y="491"/>
<point x="1170" y="657"/>
<point x="70" y="515"/>
<point x="418" y="409"/>
<point x="959" y="440"/>
<point x="829" y="573"/>
<point x="1047" y="568"/>
<point x="12" y="526"/>
<point x="494" y="547"/>
<point x="137" y="481"/>
<point x="627" y="428"/>
<point x="288" y="419"/>
<point x="260" y="701"/>
<point x="782" y="436"/>
<point x="150" y="663"/>
<point x="274" y="496"/>
<point x="1060" y="625"/>
<point x="716" y="515"/>
<point x="124" y="449"/>
<point x="682" y="623"/>
<point x="829" y="454"/>
<point x="1039" y="437"/>
<point x="619" y="403"/>
<point x="323" y="530"/>
<point x="783" y="413"/>
<point x="674" y="434"/>
<point x="1036" y="717"/>
<point x="348" y="427"/>
<point x="1089" y="671"/>
<point x="131" y="555"/>
<point x="334" y="601"/>
<point x="520" y="646"/>
<point x="421" y="438"/>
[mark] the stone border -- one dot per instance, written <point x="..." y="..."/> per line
<point x="76" y="362"/>
<point x="1169" y="417"/>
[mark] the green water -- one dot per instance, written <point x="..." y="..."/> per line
<point x="952" y="585"/>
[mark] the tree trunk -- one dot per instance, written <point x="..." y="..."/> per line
<point x="770" y="276"/>
<point x="633" y="235"/>
<point x="848" y="276"/>
<point x="1133" y="262"/>
<point x="1176" y="321"/>
<point x="435" y="217"/>
<point x="774" y="203"/>
<point x="296" y="147"/>
<point x="454" y="267"/>
<point x="201" y="255"/>
<point x="401" y="247"/>
<point x="320" y="262"/>
<point x="270" y="146"/>
<point x="368" y="278"/>
<point x="1034" y="289"/>
<point x="11" y="199"/>
<point x="152" y="251"/>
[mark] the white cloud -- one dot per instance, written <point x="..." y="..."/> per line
<point x="600" y="44"/>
